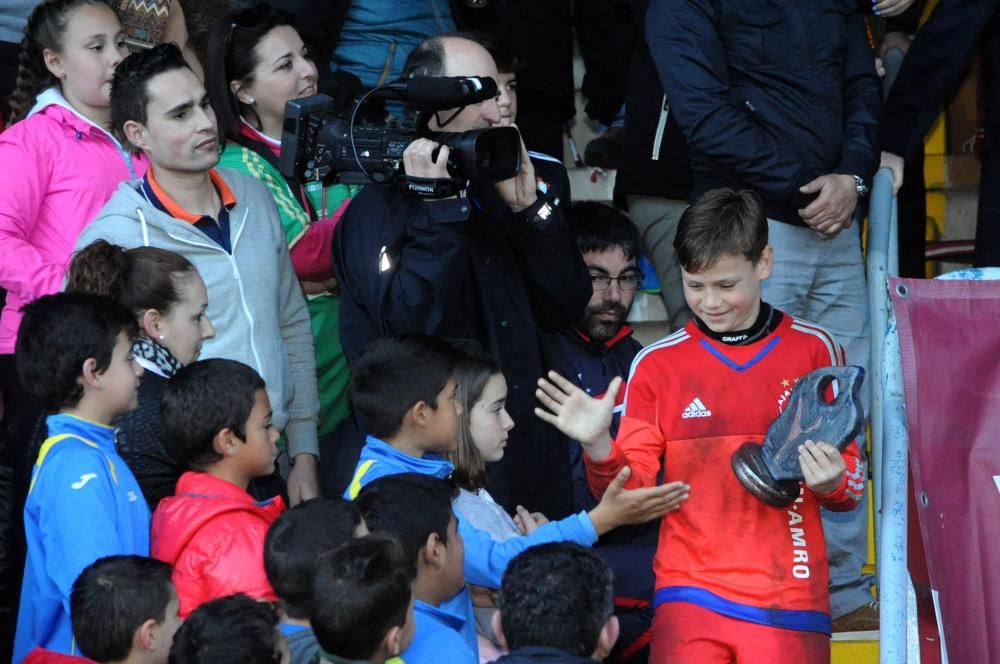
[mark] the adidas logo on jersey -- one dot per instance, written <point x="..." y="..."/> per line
<point x="696" y="409"/>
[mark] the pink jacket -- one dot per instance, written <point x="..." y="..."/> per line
<point x="57" y="170"/>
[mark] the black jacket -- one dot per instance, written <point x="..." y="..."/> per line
<point x="140" y="443"/>
<point x="592" y="366"/>
<point x="770" y="93"/>
<point x="657" y="163"/>
<point x="468" y="269"/>
<point x="933" y="67"/>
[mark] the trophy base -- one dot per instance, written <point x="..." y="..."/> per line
<point x="748" y="464"/>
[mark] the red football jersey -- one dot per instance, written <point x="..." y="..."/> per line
<point x="690" y="403"/>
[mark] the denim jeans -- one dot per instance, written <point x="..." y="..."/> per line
<point x="823" y="281"/>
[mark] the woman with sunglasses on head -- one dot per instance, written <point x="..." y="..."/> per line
<point x="256" y="62"/>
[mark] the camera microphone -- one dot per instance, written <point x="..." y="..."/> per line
<point x="442" y="92"/>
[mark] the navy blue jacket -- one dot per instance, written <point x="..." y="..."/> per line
<point x="769" y="93"/>
<point x="592" y="366"/>
<point x="410" y="266"/>
<point x="933" y="67"/>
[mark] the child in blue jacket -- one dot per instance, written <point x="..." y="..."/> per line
<point x="74" y="355"/>
<point x="404" y="390"/>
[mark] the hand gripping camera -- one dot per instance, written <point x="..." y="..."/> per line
<point x="317" y="143"/>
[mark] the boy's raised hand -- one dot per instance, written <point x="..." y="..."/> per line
<point x="577" y="414"/>
<point x="822" y="466"/>
<point x="620" y="506"/>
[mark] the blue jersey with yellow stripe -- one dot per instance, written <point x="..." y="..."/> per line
<point x="84" y="504"/>
<point x="485" y="559"/>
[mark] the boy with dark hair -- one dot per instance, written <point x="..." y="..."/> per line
<point x="74" y="356"/>
<point x="293" y="544"/>
<point x="556" y="605"/>
<point x="226" y="224"/>
<point x="382" y="401"/>
<point x="734" y="576"/>
<point x="230" y="630"/>
<point x="416" y="510"/>
<point x="124" y="609"/>
<point x="362" y="607"/>
<point x="404" y="385"/>
<point x="217" y="423"/>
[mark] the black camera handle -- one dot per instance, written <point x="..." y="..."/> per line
<point x="423" y="187"/>
<point x="432" y="187"/>
<point x="350" y="132"/>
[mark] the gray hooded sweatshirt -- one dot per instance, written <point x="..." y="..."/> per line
<point x="254" y="299"/>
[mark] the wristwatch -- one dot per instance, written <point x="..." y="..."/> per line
<point x="539" y="213"/>
<point x="860" y="187"/>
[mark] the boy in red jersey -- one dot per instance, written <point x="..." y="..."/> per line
<point x="736" y="579"/>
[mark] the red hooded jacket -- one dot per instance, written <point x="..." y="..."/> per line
<point x="212" y="534"/>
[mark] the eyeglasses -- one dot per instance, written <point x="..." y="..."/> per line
<point x="626" y="282"/>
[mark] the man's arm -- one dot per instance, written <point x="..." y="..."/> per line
<point x="837" y="197"/>
<point x="932" y="68"/>
<point x="303" y="411"/>
<point x="402" y="260"/>
<point x="550" y="263"/>
<point x="176" y="31"/>
<point x="692" y="65"/>
<point x="862" y="103"/>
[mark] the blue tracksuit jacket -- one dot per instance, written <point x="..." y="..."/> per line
<point x="84" y="504"/>
<point x="485" y="559"/>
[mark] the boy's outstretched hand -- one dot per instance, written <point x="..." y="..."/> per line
<point x="620" y="506"/>
<point x="822" y="466"/>
<point x="577" y="414"/>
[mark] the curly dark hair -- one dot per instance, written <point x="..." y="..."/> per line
<point x="45" y="30"/>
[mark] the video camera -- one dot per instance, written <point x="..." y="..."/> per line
<point x="317" y="143"/>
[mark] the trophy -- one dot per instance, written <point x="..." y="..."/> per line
<point x="771" y="471"/>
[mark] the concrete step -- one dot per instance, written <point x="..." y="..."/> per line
<point x="591" y="184"/>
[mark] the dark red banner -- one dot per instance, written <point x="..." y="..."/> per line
<point x="949" y="335"/>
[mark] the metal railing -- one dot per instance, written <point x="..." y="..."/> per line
<point x="890" y="455"/>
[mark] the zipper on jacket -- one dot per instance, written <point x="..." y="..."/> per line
<point x="236" y="273"/>
<point x="243" y="299"/>
<point x="661" y="126"/>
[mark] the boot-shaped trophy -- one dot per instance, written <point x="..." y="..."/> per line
<point x="772" y="472"/>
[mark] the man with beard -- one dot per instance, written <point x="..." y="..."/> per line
<point x="599" y="346"/>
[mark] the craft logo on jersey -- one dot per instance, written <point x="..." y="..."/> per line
<point x="696" y="409"/>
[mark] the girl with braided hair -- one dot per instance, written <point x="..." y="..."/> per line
<point x="60" y="161"/>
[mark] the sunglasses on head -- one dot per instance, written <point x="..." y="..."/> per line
<point x="254" y="17"/>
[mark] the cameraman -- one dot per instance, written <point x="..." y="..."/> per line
<point x="494" y="264"/>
